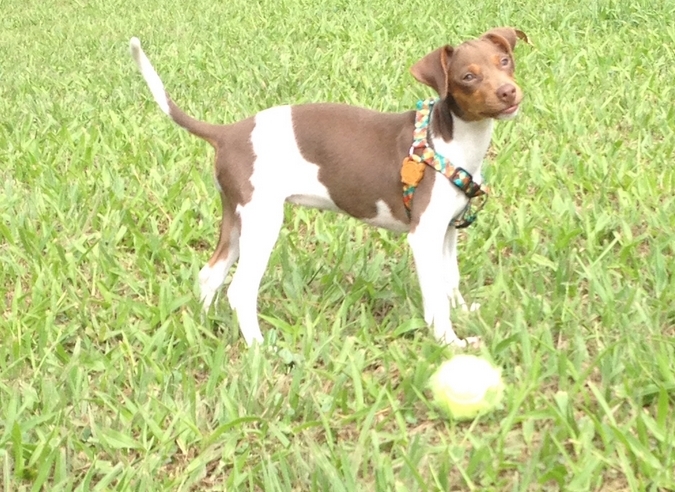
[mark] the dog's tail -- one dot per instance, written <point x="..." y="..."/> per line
<point x="207" y="131"/>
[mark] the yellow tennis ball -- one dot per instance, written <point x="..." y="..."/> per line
<point x="466" y="386"/>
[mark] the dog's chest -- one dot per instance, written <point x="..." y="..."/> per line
<point x="468" y="146"/>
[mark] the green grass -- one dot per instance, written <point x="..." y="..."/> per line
<point x="110" y="378"/>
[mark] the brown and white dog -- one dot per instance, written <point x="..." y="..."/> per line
<point x="348" y="159"/>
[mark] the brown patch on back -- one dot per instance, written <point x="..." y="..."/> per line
<point x="359" y="153"/>
<point x="234" y="161"/>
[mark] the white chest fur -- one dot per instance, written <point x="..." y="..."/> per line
<point x="469" y="144"/>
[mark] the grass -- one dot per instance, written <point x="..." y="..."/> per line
<point x="111" y="379"/>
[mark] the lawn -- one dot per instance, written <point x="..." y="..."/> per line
<point x="111" y="378"/>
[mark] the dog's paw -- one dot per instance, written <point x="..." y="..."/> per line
<point x="473" y="342"/>
<point x="465" y="343"/>
<point x="457" y="301"/>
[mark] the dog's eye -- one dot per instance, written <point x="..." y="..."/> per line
<point x="468" y="77"/>
<point x="505" y="61"/>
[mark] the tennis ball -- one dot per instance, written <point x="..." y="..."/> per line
<point x="466" y="386"/>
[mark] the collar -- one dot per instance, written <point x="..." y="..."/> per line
<point x="422" y="154"/>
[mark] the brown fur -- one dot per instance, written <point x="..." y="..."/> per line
<point x="359" y="169"/>
<point x="234" y="161"/>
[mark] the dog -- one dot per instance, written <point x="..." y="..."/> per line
<point x="367" y="164"/>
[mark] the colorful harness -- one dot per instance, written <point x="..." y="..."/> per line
<point x="422" y="155"/>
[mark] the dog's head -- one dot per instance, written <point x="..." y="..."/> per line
<point x="476" y="77"/>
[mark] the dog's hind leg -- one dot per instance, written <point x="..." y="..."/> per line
<point x="260" y="223"/>
<point x="213" y="274"/>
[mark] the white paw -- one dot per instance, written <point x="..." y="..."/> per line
<point x="468" y="342"/>
<point x="207" y="298"/>
<point x="447" y="336"/>
<point x="456" y="300"/>
<point x="210" y="280"/>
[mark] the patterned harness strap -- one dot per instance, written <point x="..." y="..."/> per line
<point x="422" y="155"/>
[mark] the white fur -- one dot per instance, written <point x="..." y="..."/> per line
<point x="260" y="224"/>
<point x="211" y="277"/>
<point x="280" y="171"/>
<point x="149" y="74"/>
<point x="469" y="144"/>
<point x="386" y="219"/>
<point x="451" y="268"/>
<point x="274" y="143"/>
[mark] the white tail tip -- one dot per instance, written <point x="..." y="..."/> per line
<point x="135" y="45"/>
<point x="149" y="74"/>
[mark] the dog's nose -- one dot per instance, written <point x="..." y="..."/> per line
<point x="507" y="93"/>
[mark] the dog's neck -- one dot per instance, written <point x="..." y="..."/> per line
<point x="468" y="141"/>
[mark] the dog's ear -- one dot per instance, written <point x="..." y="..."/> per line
<point x="432" y="70"/>
<point x="506" y="37"/>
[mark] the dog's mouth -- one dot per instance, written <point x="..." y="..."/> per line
<point x="508" y="113"/>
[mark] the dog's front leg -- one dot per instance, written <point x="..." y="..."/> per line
<point x="451" y="269"/>
<point x="427" y="249"/>
<point x="427" y="241"/>
<point x="428" y="238"/>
